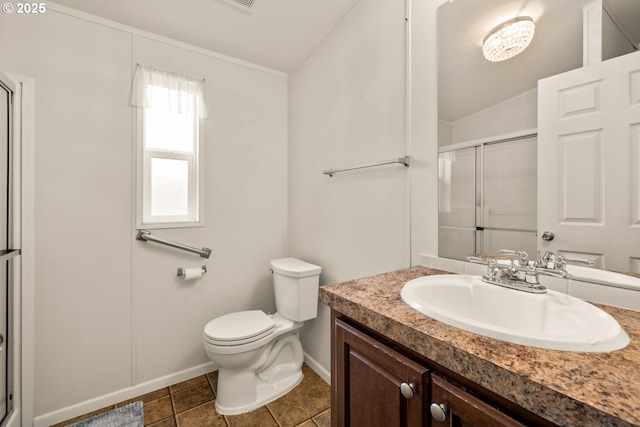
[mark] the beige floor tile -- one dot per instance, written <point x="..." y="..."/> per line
<point x="154" y="395"/>
<point x="260" y="417"/>
<point x="167" y="422"/>
<point x="307" y="400"/>
<point x="213" y="380"/>
<point x="191" y="404"/>
<point x="201" y="416"/>
<point x="192" y="397"/>
<point x="188" y="383"/>
<point x="157" y="410"/>
<point x="323" y="419"/>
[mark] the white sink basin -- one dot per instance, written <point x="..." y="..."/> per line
<point x="552" y="320"/>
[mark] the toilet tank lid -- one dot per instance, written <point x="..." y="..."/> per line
<point x="294" y="267"/>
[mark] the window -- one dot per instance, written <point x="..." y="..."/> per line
<point x="170" y="148"/>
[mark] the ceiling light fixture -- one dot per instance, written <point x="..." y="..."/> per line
<point x="508" y="39"/>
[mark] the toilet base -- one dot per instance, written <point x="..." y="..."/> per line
<point x="265" y="393"/>
<point x="274" y="372"/>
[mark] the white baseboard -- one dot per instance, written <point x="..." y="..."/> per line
<point x="120" y="396"/>
<point x="317" y="368"/>
<point x="147" y="387"/>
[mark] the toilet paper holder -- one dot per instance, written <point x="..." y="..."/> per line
<point x="181" y="270"/>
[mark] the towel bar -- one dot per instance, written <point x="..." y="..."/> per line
<point x="406" y="160"/>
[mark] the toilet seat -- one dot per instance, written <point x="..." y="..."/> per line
<point x="239" y="328"/>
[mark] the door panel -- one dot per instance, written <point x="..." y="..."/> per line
<point x="582" y="192"/>
<point x="494" y="240"/>
<point x="457" y="242"/>
<point x="368" y="382"/>
<point x="457" y="188"/>
<point x="509" y="174"/>
<point x="589" y="160"/>
<point x="372" y="382"/>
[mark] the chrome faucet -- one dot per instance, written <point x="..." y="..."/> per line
<point x="512" y="276"/>
<point x="523" y="273"/>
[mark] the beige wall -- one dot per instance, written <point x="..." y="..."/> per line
<point x="363" y="96"/>
<point x="110" y="317"/>
<point x="516" y="114"/>
<point x="110" y="313"/>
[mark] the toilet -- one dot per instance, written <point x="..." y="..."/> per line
<point x="259" y="356"/>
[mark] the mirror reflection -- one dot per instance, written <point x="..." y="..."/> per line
<point x="488" y="119"/>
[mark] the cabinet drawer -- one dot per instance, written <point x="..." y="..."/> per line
<point x="452" y="406"/>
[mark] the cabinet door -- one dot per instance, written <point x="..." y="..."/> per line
<point x="461" y="409"/>
<point x="374" y="385"/>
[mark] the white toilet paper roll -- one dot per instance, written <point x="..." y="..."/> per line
<point x="192" y="273"/>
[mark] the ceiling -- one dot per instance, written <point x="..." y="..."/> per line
<point x="280" y="34"/>
<point x="277" y="34"/>
<point x="468" y="83"/>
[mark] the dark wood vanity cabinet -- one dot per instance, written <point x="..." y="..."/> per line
<point x="375" y="385"/>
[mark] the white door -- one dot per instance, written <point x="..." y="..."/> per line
<point x="589" y="161"/>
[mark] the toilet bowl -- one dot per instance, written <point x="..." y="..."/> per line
<point x="259" y="356"/>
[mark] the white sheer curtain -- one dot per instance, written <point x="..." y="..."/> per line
<point x="157" y="88"/>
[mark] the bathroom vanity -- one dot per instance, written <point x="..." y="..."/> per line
<point x="392" y="365"/>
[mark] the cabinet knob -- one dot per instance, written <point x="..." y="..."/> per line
<point x="438" y="412"/>
<point x="407" y="390"/>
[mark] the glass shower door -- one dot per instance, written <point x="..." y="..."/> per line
<point x="509" y="202"/>
<point x="457" y="194"/>
<point x="487" y="198"/>
<point x="6" y="254"/>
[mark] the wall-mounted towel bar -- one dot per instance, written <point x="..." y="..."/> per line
<point x="406" y="160"/>
<point x="146" y="236"/>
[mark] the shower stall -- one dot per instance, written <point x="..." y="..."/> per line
<point x="487" y="197"/>
<point x="7" y="255"/>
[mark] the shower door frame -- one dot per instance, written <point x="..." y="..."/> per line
<point x="481" y="224"/>
<point x="6" y="256"/>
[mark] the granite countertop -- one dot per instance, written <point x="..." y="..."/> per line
<point x="566" y="388"/>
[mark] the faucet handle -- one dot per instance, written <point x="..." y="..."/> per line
<point x="491" y="263"/>
<point x="549" y="260"/>
<point x="522" y="255"/>
<point x="478" y="260"/>
<point x="568" y="260"/>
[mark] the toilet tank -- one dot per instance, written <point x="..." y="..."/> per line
<point x="295" y="285"/>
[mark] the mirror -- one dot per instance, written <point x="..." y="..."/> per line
<point x="485" y="106"/>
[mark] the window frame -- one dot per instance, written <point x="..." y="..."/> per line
<point x="195" y="215"/>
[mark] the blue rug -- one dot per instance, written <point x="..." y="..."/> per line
<point x="126" y="416"/>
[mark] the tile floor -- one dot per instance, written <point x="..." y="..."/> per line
<point x="191" y="404"/>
